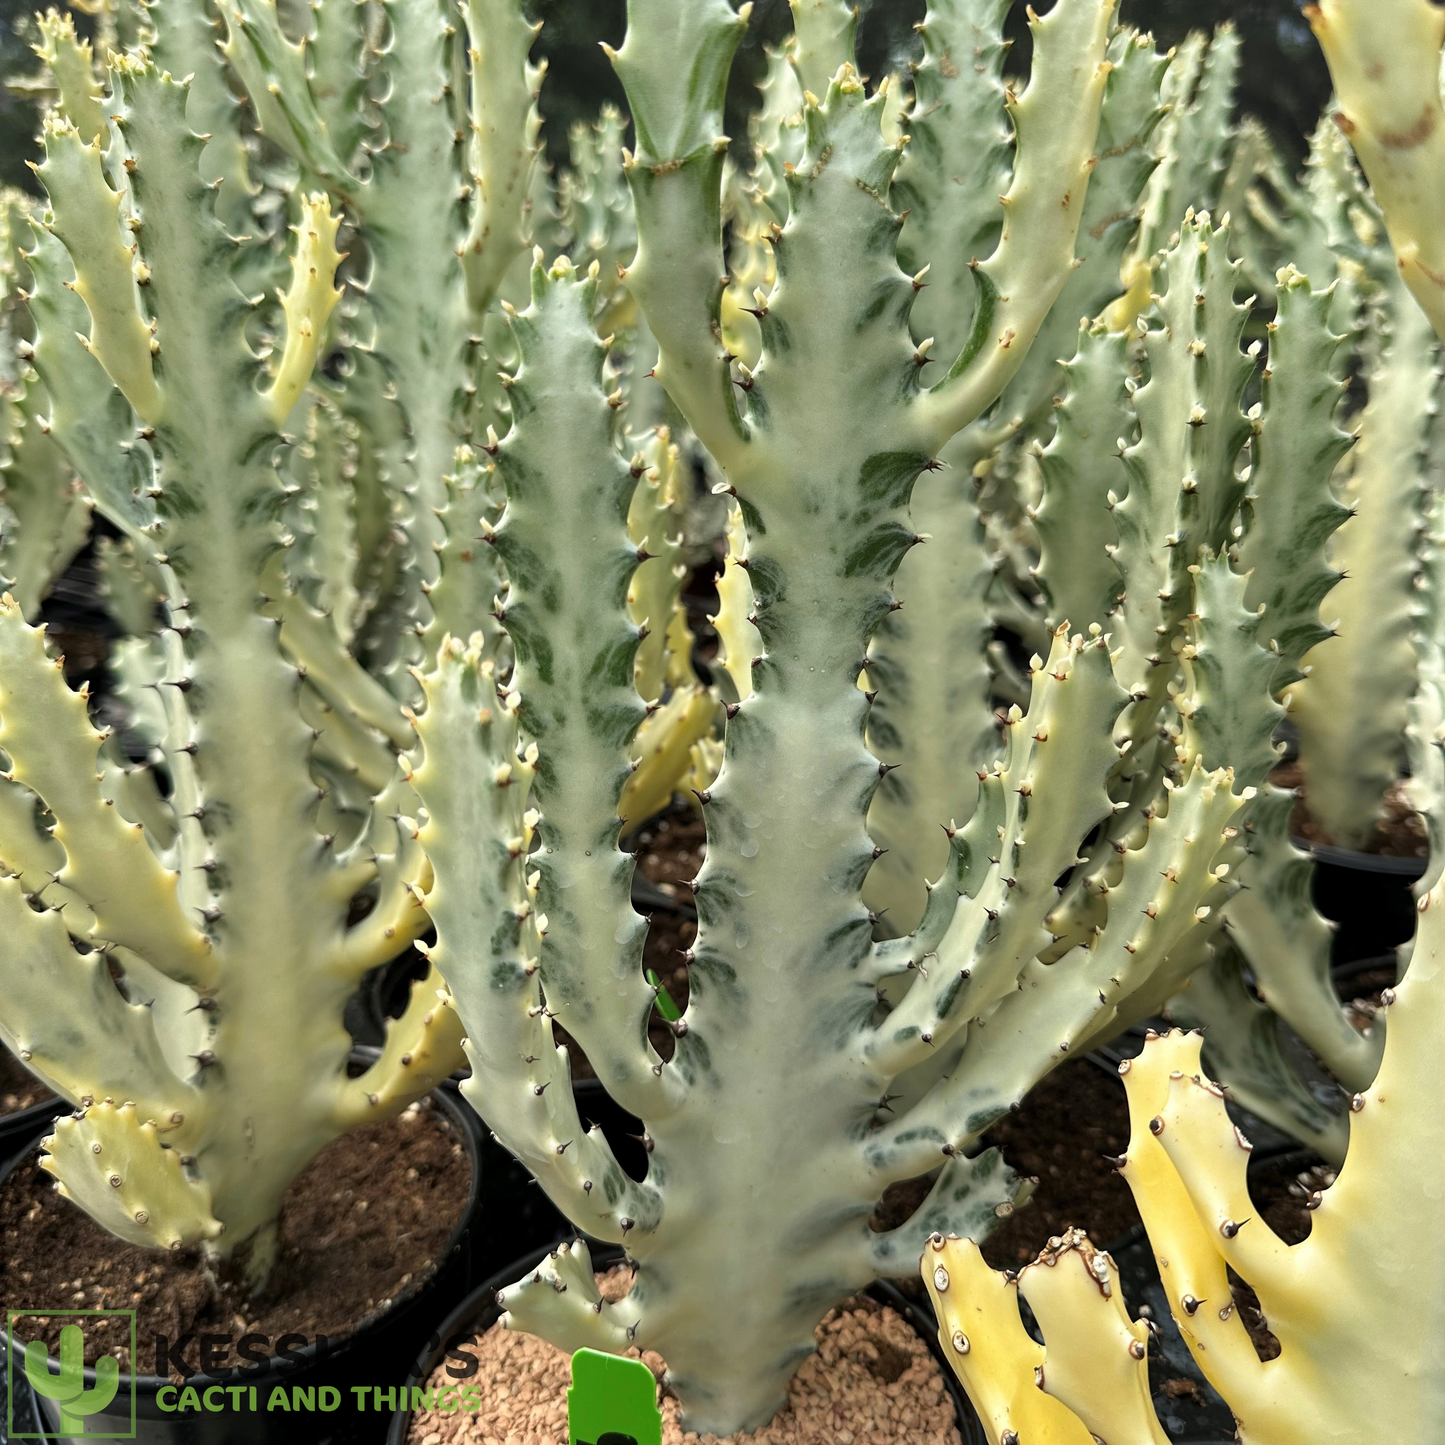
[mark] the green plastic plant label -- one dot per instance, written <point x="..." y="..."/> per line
<point x="612" y="1401"/>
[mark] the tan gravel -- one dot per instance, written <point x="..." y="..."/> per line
<point x="872" y="1382"/>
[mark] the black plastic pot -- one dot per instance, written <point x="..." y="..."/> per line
<point x="378" y="1350"/>
<point x="1367" y="895"/>
<point x="1346" y="975"/>
<point x="481" y="1311"/>
<point x="18" y="1131"/>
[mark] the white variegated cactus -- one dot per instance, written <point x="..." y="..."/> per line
<point x="826" y="1051"/>
<point x="215" y="903"/>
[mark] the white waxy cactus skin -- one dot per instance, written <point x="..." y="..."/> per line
<point x="767" y="1144"/>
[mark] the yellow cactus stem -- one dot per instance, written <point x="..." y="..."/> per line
<point x="1096" y="1360"/>
<point x="309" y="302"/>
<point x="85" y="215"/>
<point x="752" y="266"/>
<point x="1191" y="1268"/>
<point x="1089" y="1381"/>
<point x="1356" y="1304"/>
<point x="114" y="1164"/>
<point x="1137" y="278"/>
<point x="740" y="642"/>
<point x="70" y="61"/>
<point x="984" y="1340"/>
<point x="654" y="525"/>
<point x="665" y="750"/>
<point x="53" y="751"/>
<point x="1384" y="58"/>
<point x="504" y="145"/>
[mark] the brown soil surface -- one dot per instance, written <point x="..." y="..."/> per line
<point x="82" y="650"/>
<point x="670" y="850"/>
<point x="1060" y="1136"/>
<point x="19" y="1088"/>
<point x="872" y="1382"/>
<point x="1361" y="993"/>
<point x="366" y="1221"/>
<point x="1400" y="833"/>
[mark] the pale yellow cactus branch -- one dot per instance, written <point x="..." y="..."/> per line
<point x="662" y="749"/>
<point x="1384" y="57"/>
<point x="741" y="642"/>
<point x="400" y="916"/>
<point x="141" y="1192"/>
<point x="1195" y="1269"/>
<point x="32" y="856"/>
<point x="71" y="63"/>
<point x="53" y="751"/>
<point x="1210" y="1157"/>
<point x="85" y="215"/>
<point x="1096" y="1357"/>
<point x="1356" y="1305"/>
<point x="504" y="141"/>
<point x="1088" y="1382"/>
<point x="655" y="523"/>
<point x="422" y="1047"/>
<point x="308" y="303"/>
<point x="993" y="1355"/>
<point x="309" y="639"/>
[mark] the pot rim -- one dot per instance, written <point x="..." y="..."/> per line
<point x="1362" y="862"/>
<point x="480" y="1311"/>
<point x="455" y="1113"/>
<point x="35" y="1115"/>
<point x="1343" y="972"/>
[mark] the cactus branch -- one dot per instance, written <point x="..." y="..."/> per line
<point x="1056" y="122"/>
<point x="1385" y="63"/>
<point x="52" y="748"/>
<point x="87" y="219"/>
<point x="674" y="64"/>
<point x="504" y="142"/>
<point x="308" y="303"/>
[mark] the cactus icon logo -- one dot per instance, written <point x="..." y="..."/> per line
<point x="72" y="1398"/>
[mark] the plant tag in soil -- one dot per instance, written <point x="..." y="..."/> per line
<point x="612" y="1401"/>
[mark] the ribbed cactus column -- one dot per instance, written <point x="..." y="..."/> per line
<point x="428" y="140"/>
<point x="827" y="527"/>
<point x="797" y="1091"/>
<point x="211" y="1066"/>
<point x="1351" y="708"/>
<point x="768" y="1147"/>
